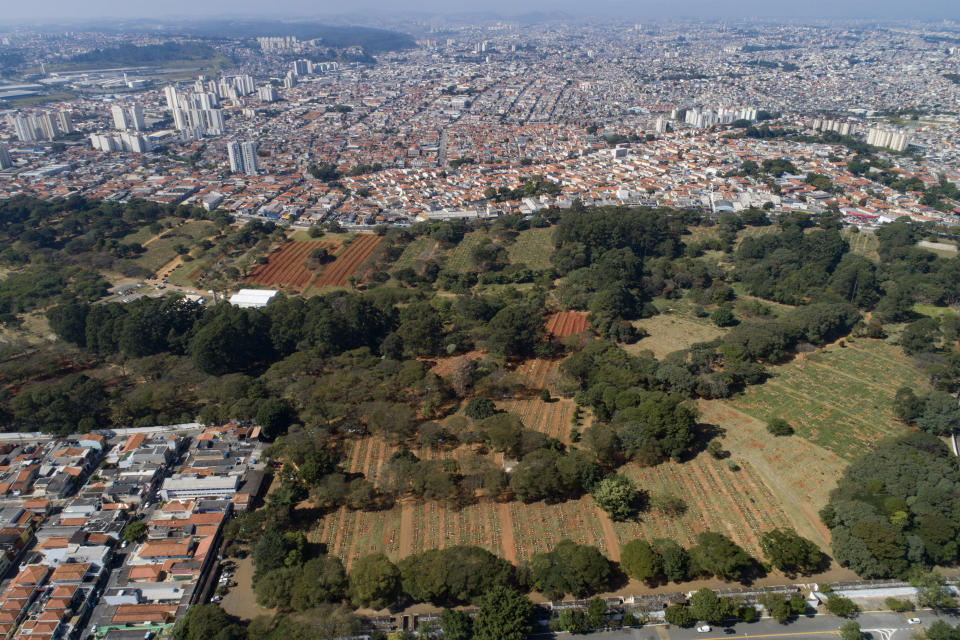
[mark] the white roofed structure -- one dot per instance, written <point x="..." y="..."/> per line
<point x="250" y="298"/>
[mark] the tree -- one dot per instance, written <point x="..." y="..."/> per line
<point x="616" y="495"/>
<point x="207" y="622"/>
<point x="274" y="416"/>
<point x="134" y="531"/>
<point x="850" y="630"/>
<point x="480" y="408"/>
<point x="788" y="551"/>
<point x="502" y="614"/>
<point x="456" y="625"/>
<point x="640" y="561"/>
<point x="941" y="630"/>
<point x="779" y="427"/>
<point x="708" y="606"/>
<point x="374" y="582"/>
<point x="676" y="561"/>
<point x="516" y="330"/>
<point x="596" y="613"/>
<point x="723" y="317"/>
<point x="274" y="589"/>
<point x="907" y="405"/>
<point x="840" y="606"/>
<point x="268" y="552"/>
<point x="716" y="554"/>
<point x="940" y="415"/>
<point x="777" y="606"/>
<point x="932" y="591"/>
<point x="573" y="620"/>
<point x="679" y="614"/>
<point x="320" y="580"/>
<point x="570" y="568"/>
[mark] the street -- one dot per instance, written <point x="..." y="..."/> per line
<point x="880" y="625"/>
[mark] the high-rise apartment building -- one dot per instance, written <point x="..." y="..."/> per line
<point x="64" y="122"/>
<point x="5" y="160"/>
<point x="119" y="118"/>
<point x="24" y="129"/>
<point x="136" y="118"/>
<point x="243" y="157"/>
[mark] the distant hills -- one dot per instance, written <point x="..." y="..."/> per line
<point x="372" y="40"/>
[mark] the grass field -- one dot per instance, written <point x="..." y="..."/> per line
<point x="737" y="503"/>
<point x="532" y="248"/>
<point x="932" y="311"/>
<point x="799" y="472"/>
<point x="741" y="504"/>
<point x="863" y="243"/>
<point x="670" y="332"/>
<point x="418" y="250"/>
<point x="838" y="398"/>
<point x="145" y="233"/>
<point x="458" y="258"/>
<point x="29" y="101"/>
<point x="161" y="251"/>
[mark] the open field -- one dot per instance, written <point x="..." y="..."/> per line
<point x="459" y="258"/>
<point x="31" y="101"/>
<point x="533" y="248"/>
<point x="941" y="249"/>
<point x="335" y="273"/>
<point x="801" y="473"/>
<point x="551" y="418"/>
<point x="740" y="504"/>
<point x="161" y="251"/>
<point x="145" y="234"/>
<point x="863" y="243"/>
<point x="670" y="332"/>
<point x="287" y="266"/>
<point x="421" y="249"/>
<point x="838" y="398"/>
<point x="567" y="323"/>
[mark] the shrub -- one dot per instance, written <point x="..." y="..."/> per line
<point x="779" y="427"/>
<point x="480" y="408"/>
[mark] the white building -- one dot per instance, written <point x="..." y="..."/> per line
<point x="119" y="118"/>
<point x="252" y="298"/>
<point x="243" y="157"/>
<point x="136" y="118"/>
<point x="267" y="93"/>
<point x="186" y="487"/>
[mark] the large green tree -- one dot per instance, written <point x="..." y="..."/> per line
<point x="502" y="614"/>
<point x="374" y="582"/>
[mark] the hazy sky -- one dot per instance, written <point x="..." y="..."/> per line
<point x="48" y="10"/>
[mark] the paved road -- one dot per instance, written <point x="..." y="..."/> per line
<point x="878" y="626"/>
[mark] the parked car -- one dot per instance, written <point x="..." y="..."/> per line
<point x="704" y="628"/>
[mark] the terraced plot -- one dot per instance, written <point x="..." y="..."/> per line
<point x="838" y="398"/>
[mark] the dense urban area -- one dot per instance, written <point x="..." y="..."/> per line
<point x="480" y="328"/>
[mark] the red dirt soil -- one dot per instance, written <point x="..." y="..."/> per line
<point x="286" y="266"/>
<point x="566" y="323"/>
<point x="336" y="273"/>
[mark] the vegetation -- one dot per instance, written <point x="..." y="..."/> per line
<point x="423" y="370"/>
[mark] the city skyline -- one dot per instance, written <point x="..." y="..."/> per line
<point x="62" y="11"/>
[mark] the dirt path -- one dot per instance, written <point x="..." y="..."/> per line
<point x="240" y="601"/>
<point x="406" y="528"/>
<point x="609" y="535"/>
<point x="170" y="266"/>
<point x="506" y="532"/>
